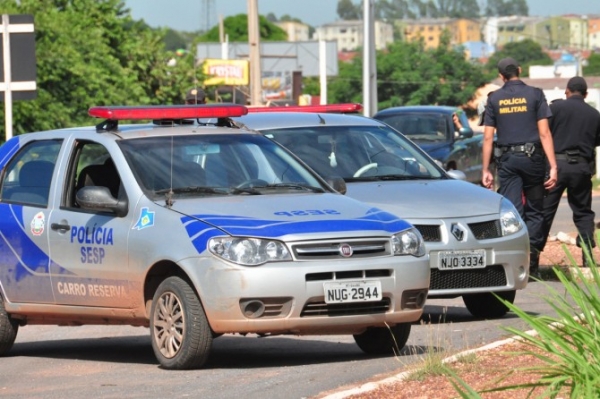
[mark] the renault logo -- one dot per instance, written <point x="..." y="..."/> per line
<point x="457" y="231"/>
<point x="345" y="250"/>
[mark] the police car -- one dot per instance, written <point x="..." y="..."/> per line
<point x="478" y="244"/>
<point x="195" y="228"/>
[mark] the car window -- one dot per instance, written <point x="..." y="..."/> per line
<point x="419" y="127"/>
<point x="356" y="151"/>
<point x="28" y="175"/>
<point x="92" y="166"/>
<point x="212" y="161"/>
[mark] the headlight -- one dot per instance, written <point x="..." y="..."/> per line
<point x="408" y="242"/>
<point x="248" y="251"/>
<point x="510" y="220"/>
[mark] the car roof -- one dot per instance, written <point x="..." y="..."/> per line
<point x="274" y="120"/>
<point x="417" y="108"/>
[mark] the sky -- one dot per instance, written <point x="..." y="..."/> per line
<point x="191" y="15"/>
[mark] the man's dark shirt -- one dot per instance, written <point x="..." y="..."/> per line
<point x="514" y="110"/>
<point x="575" y="125"/>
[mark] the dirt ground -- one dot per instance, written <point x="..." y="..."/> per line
<point x="483" y="369"/>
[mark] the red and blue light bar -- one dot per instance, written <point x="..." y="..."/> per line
<point x="158" y="112"/>
<point x="344" y="108"/>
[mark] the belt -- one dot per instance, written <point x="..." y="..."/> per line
<point x="518" y="148"/>
<point x="571" y="159"/>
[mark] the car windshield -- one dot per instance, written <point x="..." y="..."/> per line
<point x="419" y="127"/>
<point x="357" y="152"/>
<point x="208" y="165"/>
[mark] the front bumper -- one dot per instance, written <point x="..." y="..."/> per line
<point x="288" y="297"/>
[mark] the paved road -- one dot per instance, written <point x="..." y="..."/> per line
<point x="564" y="216"/>
<point x="117" y="362"/>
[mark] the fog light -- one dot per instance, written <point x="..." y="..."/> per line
<point x="253" y="309"/>
<point x="522" y="273"/>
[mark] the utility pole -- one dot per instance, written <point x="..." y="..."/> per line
<point x="369" y="61"/>
<point x="254" y="45"/>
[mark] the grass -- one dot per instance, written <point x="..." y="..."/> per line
<point x="569" y="342"/>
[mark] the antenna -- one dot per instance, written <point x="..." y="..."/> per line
<point x="207" y="15"/>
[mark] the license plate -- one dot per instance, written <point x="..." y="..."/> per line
<point x="352" y="291"/>
<point x="452" y="260"/>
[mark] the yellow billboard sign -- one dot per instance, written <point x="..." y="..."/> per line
<point x="226" y="72"/>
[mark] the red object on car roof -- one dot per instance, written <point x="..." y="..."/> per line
<point x="157" y="112"/>
<point x="344" y="108"/>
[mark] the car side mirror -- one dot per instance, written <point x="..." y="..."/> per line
<point x="465" y="132"/>
<point x="457" y="174"/>
<point x="338" y="184"/>
<point x="99" y="198"/>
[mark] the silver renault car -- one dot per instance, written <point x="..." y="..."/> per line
<point x="195" y="230"/>
<point x="477" y="243"/>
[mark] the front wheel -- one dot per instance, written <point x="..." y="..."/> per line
<point x="383" y="340"/>
<point x="8" y="330"/>
<point x="486" y="306"/>
<point x="180" y="334"/>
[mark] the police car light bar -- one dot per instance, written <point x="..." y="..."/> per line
<point x="346" y="108"/>
<point x="158" y="112"/>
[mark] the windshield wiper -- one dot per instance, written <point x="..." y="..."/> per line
<point x="244" y="190"/>
<point x="191" y="189"/>
<point x="296" y="186"/>
<point x="394" y="177"/>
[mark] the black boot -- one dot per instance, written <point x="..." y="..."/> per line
<point x="534" y="263"/>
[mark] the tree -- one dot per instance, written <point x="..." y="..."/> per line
<point x="593" y="65"/>
<point x="90" y="52"/>
<point x="502" y="8"/>
<point x="348" y="11"/>
<point x="409" y="74"/>
<point x="237" y="28"/>
<point x="527" y="52"/>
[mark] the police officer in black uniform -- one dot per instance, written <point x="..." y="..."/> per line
<point x="575" y="128"/>
<point x="519" y="115"/>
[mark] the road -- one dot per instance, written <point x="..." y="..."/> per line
<point x="564" y="216"/>
<point x="117" y="361"/>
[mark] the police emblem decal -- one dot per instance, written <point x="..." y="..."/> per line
<point x="457" y="231"/>
<point x="345" y="250"/>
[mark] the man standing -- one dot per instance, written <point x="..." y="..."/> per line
<point x="519" y="115"/>
<point x="575" y="128"/>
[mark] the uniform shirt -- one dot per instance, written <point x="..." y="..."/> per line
<point x="514" y="111"/>
<point x="575" y="125"/>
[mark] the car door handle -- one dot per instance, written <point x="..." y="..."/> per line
<point x="58" y="226"/>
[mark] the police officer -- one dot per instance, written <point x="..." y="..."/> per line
<point x="519" y="115"/>
<point x="575" y="128"/>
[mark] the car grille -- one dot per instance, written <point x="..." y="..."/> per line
<point x="430" y="232"/>
<point x="486" y="230"/>
<point x="331" y="249"/>
<point x="350" y="274"/>
<point x="490" y="276"/>
<point x="314" y="309"/>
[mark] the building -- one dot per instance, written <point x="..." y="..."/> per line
<point x="594" y="32"/>
<point x="350" y="34"/>
<point x="296" y="31"/>
<point x="517" y="28"/>
<point x="430" y="30"/>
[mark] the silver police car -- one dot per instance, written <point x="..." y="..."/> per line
<point x="478" y="244"/>
<point x="195" y="229"/>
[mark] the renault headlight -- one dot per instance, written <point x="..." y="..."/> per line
<point x="247" y="251"/>
<point x="408" y="242"/>
<point x="510" y="220"/>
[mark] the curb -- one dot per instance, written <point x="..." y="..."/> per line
<point x="370" y="386"/>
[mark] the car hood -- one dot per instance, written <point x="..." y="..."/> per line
<point x="427" y="199"/>
<point x="286" y="215"/>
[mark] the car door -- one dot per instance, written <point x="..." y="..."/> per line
<point x="25" y="206"/>
<point x="89" y="249"/>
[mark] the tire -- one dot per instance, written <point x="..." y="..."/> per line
<point x="486" y="306"/>
<point x="383" y="340"/>
<point x="8" y="330"/>
<point x="180" y="334"/>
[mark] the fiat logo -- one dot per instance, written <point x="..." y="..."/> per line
<point x="345" y="250"/>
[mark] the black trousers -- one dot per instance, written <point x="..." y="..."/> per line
<point x="521" y="180"/>
<point x="576" y="178"/>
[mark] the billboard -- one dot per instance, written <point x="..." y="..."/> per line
<point x="226" y="72"/>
